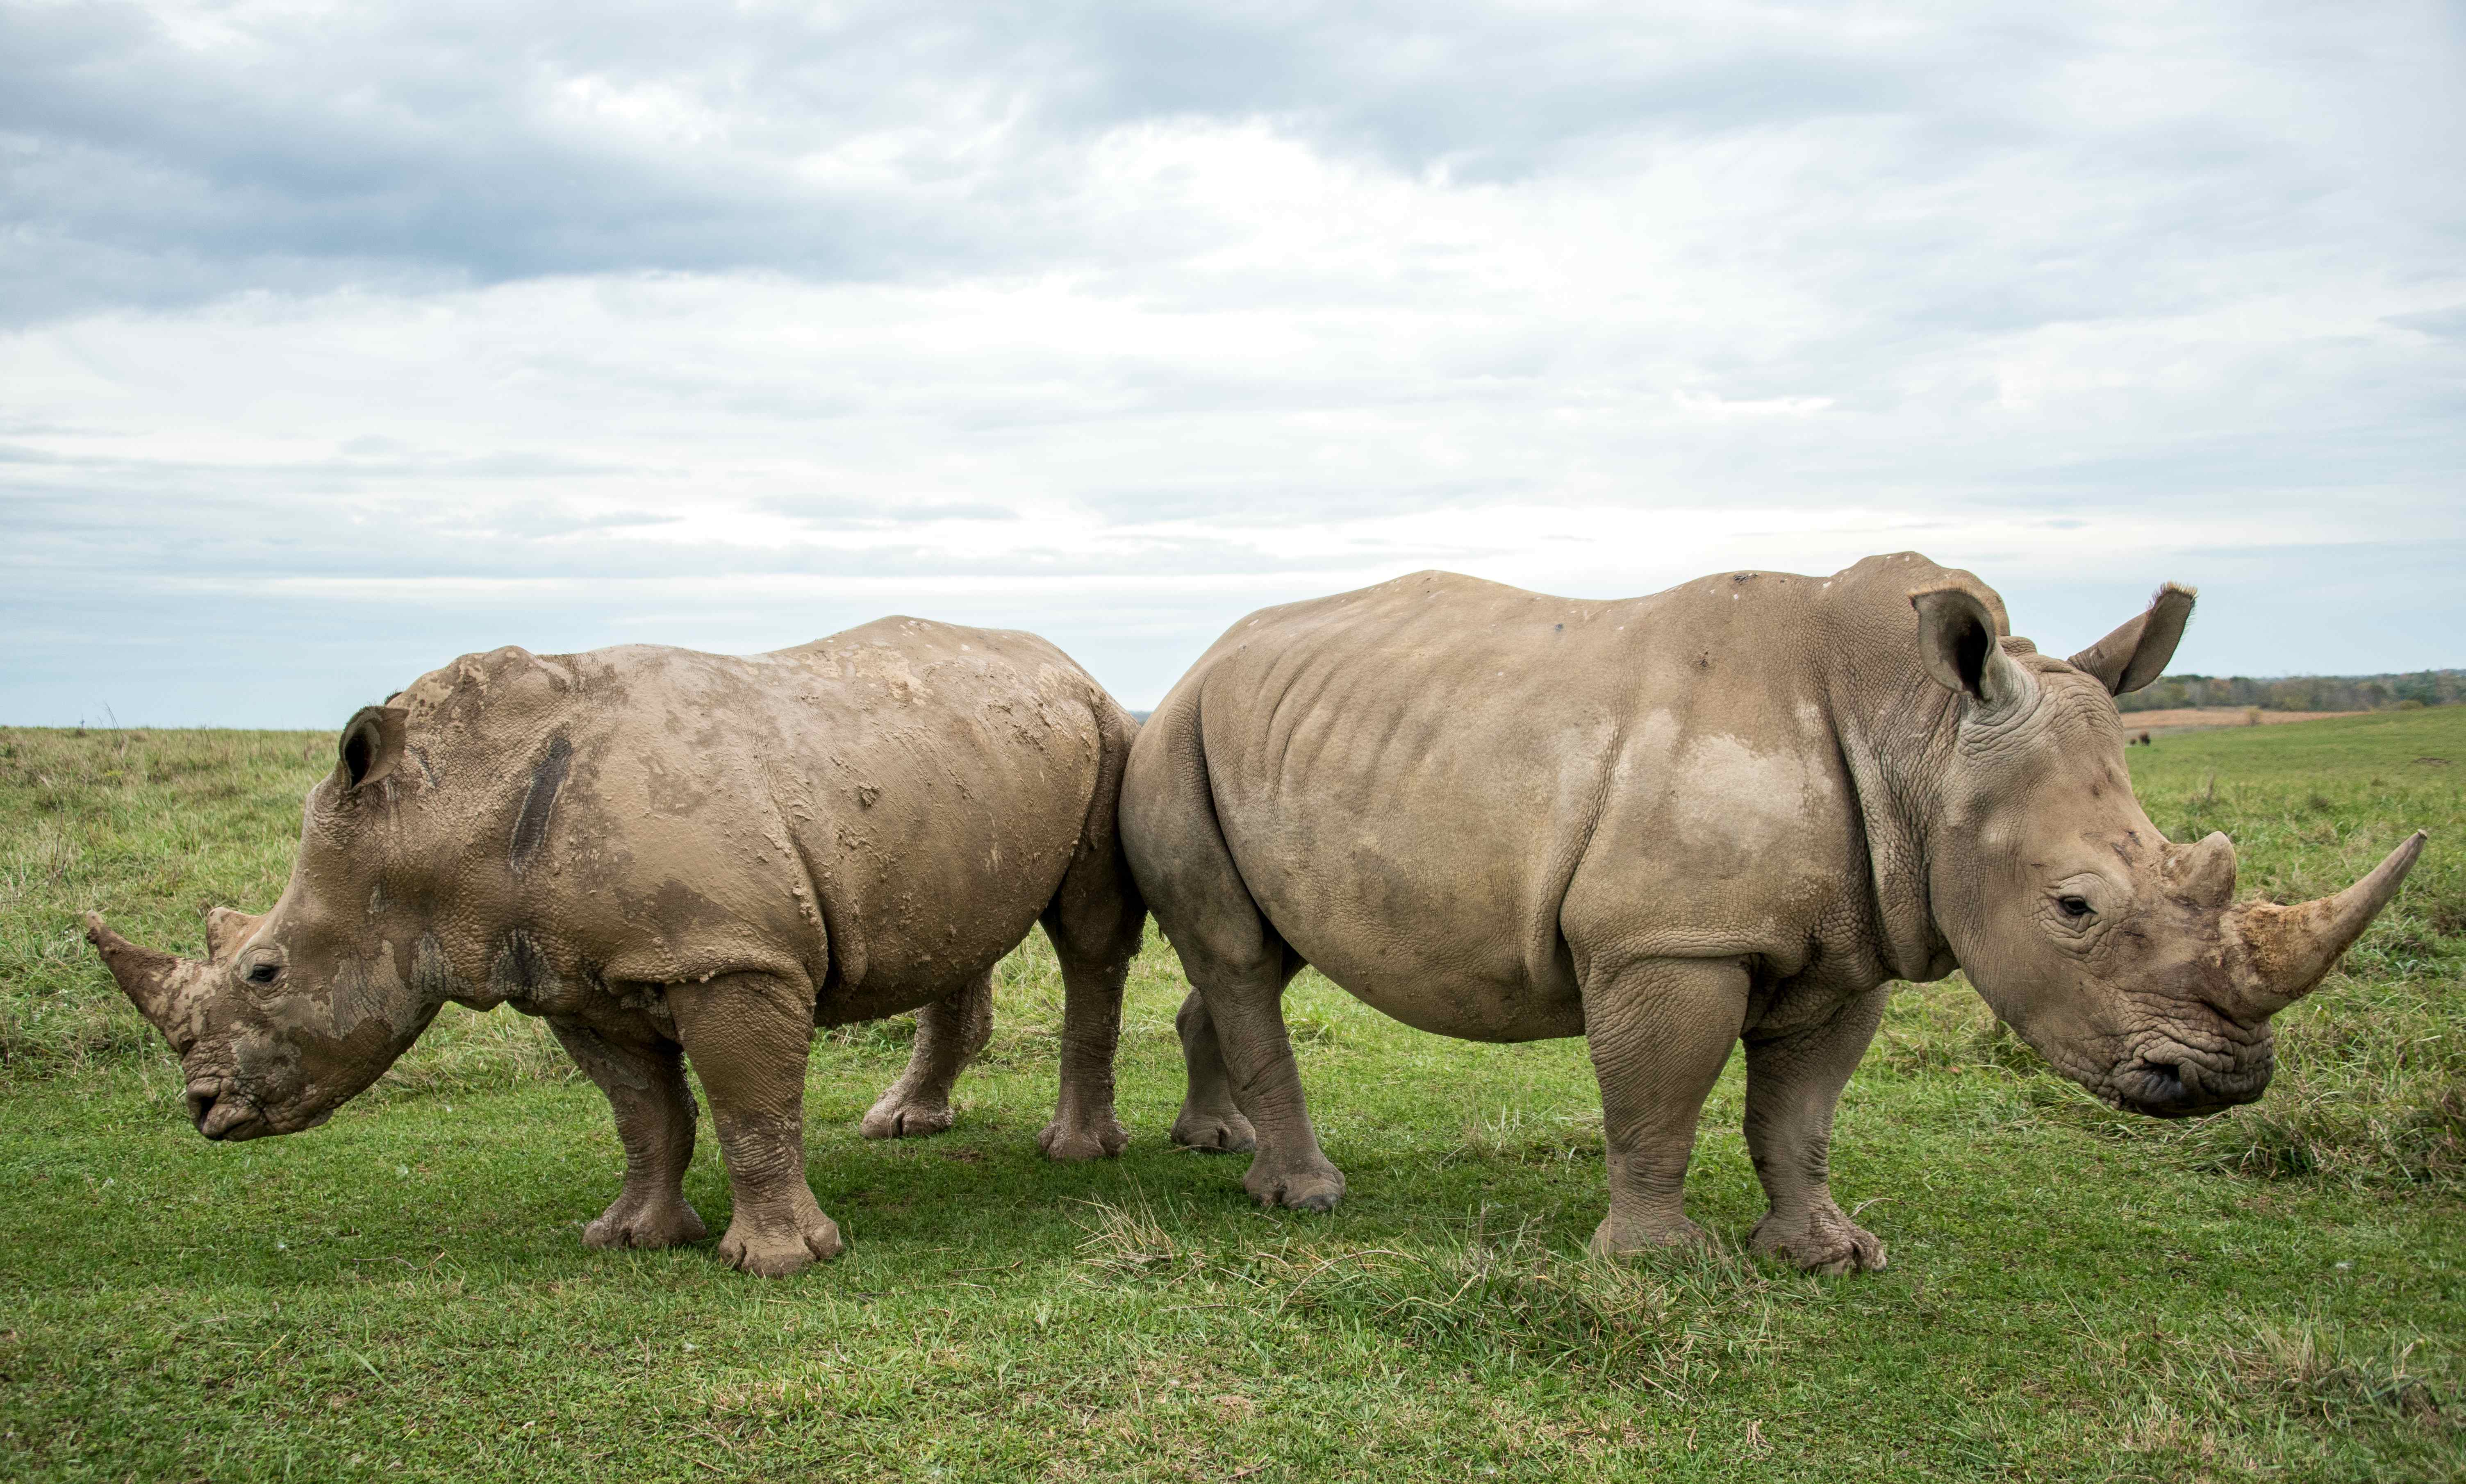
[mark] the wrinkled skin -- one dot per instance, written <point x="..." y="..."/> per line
<point x="676" y="856"/>
<point x="1733" y="811"/>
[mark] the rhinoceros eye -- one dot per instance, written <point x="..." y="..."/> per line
<point x="263" y="973"/>
<point x="2074" y="907"/>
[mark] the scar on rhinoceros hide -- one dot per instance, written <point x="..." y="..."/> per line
<point x="531" y="825"/>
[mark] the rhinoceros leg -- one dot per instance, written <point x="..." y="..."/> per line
<point x="1659" y="1032"/>
<point x="747" y="1034"/>
<point x="1793" y="1083"/>
<point x="1245" y="1003"/>
<point x="645" y="1084"/>
<point x="949" y="1032"/>
<point x="1209" y="1118"/>
<point x="1095" y="923"/>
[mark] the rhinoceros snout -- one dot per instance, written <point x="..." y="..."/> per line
<point x="220" y="1112"/>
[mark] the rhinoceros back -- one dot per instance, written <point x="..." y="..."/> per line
<point x="1447" y="793"/>
<point x="883" y="811"/>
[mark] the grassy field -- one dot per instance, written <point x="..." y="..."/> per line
<point x="2275" y="1293"/>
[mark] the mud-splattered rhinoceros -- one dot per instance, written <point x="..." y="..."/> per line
<point x="1733" y="810"/>
<point x="666" y="852"/>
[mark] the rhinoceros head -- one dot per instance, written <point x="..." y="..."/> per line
<point x="2120" y="955"/>
<point x="294" y="1011"/>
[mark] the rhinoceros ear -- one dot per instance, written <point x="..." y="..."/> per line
<point x="1957" y="643"/>
<point x="372" y="745"/>
<point x="2136" y="653"/>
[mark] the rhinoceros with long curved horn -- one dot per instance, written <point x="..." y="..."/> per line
<point x="675" y="856"/>
<point x="1732" y="811"/>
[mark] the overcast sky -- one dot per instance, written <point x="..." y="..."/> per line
<point x="339" y="339"/>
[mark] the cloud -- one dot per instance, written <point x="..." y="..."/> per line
<point x="375" y="333"/>
<point x="157" y="153"/>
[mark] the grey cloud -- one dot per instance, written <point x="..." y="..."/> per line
<point x="825" y="512"/>
<point x="416" y="145"/>
<point x="2448" y="324"/>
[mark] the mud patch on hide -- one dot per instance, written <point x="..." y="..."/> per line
<point x="598" y="1060"/>
<point x="520" y="973"/>
<point x="539" y="802"/>
<point x="433" y="979"/>
<point x="367" y="989"/>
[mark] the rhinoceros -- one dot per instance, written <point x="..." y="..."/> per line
<point x="679" y="856"/>
<point x="1733" y="811"/>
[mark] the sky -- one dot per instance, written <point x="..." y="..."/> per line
<point x="338" y="340"/>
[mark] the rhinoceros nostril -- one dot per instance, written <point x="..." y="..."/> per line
<point x="219" y="1111"/>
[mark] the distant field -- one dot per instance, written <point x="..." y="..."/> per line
<point x="2275" y="1294"/>
<point x="2186" y="716"/>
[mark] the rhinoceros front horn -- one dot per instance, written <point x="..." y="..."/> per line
<point x="2288" y="950"/>
<point x="162" y="987"/>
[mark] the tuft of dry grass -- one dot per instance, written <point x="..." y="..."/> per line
<point x="2314" y="1369"/>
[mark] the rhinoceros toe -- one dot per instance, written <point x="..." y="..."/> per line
<point x="632" y="1222"/>
<point x="769" y="1252"/>
<point x="1826" y="1241"/>
<point x="1619" y="1237"/>
<point x="1066" y="1141"/>
<point x="1307" y="1187"/>
<point x="1215" y="1133"/>
<point x="898" y="1118"/>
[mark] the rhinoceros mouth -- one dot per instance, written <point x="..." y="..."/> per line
<point x="2159" y="1088"/>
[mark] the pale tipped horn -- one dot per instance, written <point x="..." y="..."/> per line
<point x="2288" y="950"/>
<point x="164" y="987"/>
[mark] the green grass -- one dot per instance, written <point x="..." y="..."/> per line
<point x="2274" y="1294"/>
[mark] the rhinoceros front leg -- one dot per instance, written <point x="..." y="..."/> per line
<point x="645" y="1084"/>
<point x="1793" y="1083"/>
<point x="1209" y="1118"/>
<point x="949" y="1032"/>
<point x="747" y="1035"/>
<point x="1659" y="1031"/>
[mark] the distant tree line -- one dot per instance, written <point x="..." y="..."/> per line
<point x="2302" y="693"/>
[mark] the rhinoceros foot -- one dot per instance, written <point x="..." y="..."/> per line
<point x="1615" y="1237"/>
<point x="1302" y="1185"/>
<point x="901" y="1114"/>
<point x="1825" y="1241"/>
<point x="1067" y="1140"/>
<point x="773" y="1249"/>
<point x="1215" y="1132"/>
<point x="646" y="1222"/>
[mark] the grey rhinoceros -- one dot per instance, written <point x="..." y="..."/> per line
<point x="670" y="854"/>
<point x="1735" y="810"/>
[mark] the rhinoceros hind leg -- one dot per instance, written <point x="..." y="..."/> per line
<point x="1232" y="956"/>
<point x="645" y="1084"/>
<point x="1793" y="1083"/>
<point x="1659" y="1031"/>
<point x="1209" y="1120"/>
<point x="949" y="1033"/>
<point x="1095" y="922"/>
<point x="1245" y="1004"/>
<point x="746" y="1034"/>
